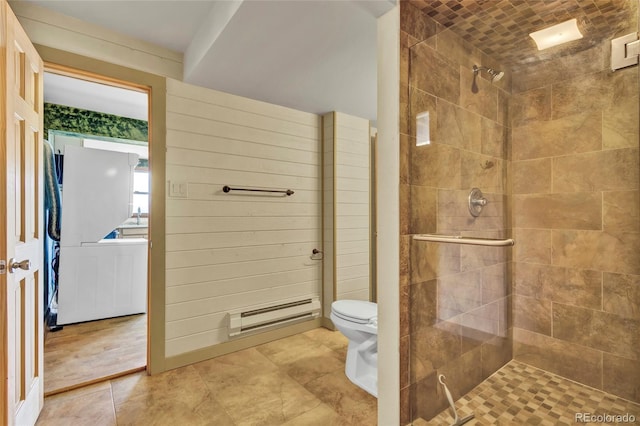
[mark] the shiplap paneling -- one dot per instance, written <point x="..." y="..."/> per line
<point x="328" y="195"/>
<point x="352" y="145"/>
<point x="59" y="31"/>
<point x="347" y="182"/>
<point x="237" y="250"/>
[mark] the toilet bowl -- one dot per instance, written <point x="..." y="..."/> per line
<point x="358" y="321"/>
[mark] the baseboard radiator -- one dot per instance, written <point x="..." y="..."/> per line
<point x="271" y="316"/>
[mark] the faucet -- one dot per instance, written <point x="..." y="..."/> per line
<point x="138" y="217"/>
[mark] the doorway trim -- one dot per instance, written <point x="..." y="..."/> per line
<point x="80" y="66"/>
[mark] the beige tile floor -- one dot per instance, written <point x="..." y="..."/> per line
<point x="298" y="380"/>
<point x="519" y="394"/>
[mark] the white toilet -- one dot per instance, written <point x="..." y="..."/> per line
<point x="358" y="321"/>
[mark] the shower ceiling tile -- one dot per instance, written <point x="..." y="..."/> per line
<point x="500" y="28"/>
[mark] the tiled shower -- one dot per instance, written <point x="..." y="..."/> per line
<point x="553" y="146"/>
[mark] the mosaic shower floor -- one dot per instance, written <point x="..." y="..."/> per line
<point x="519" y="394"/>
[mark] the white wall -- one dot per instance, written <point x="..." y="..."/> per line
<point x="229" y="251"/>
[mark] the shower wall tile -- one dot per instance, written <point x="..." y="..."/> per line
<point x="485" y="102"/>
<point x="621" y="211"/>
<point x="430" y="260"/>
<point x="423" y="210"/>
<point x="532" y="314"/>
<point x="598" y="330"/>
<point x="596" y="171"/>
<point x="475" y="172"/>
<point x="603" y="251"/>
<point x="423" y="305"/>
<point x="404" y="57"/>
<point x="450" y="44"/>
<point x="459" y="294"/>
<point x="495" y="353"/>
<point x="405" y="405"/>
<point x="620" y="123"/>
<point x="405" y="256"/>
<point x="455" y="203"/>
<point x="503" y="109"/>
<point x="532" y="245"/>
<point x="457" y="224"/>
<point x="458" y="127"/>
<point x="539" y="74"/>
<point x="405" y="152"/>
<point x="405" y="356"/>
<point x="495" y="282"/>
<point x="578" y="287"/>
<point x="621" y="376"/>
<point x="413" y="22"/>
<point x="575" y="362"/>
<point x="405" y="209"/>
<point x="405" y="310"/>
<point x="521" y="178"/>
<point x="427" y="399"/>
<point x="435" y="165"/>
<point x="593" y="92"/>
<point x="621" y="295"/>
<point x="530" y="106"/>
<point x="567" y="135"/>
<point x="580" y="210"/>
<point x="492" y="139"/>
<point x="434" y="73"/>
<point x="433" y="348"/>
<point x="476" y="257"/>
<point x="480" y="325"/>
<point x="463" y="373"/>
<point x="405" y="113"/>
<point x="535" y="280"/>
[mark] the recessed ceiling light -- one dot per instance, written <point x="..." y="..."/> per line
<point x="557" y="34"/>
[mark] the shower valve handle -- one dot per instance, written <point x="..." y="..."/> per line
<point x="476" y="202"/>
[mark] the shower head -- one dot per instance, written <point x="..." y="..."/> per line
<point x="495" y="76"/>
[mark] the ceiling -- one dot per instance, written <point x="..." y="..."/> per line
<point x="500" y="28"/>
<point x="314" y="56"/>
<point x="320" y="55"/>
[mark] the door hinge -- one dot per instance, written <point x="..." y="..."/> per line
<point x="624" y="51"/>
<point x="3" y="267"/>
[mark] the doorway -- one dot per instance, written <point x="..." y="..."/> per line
<point x="97" y="286"/>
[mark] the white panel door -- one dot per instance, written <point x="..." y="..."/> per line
<point x="21" y="302"/>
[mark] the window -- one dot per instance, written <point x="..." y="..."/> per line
<point x="141" y="192"/>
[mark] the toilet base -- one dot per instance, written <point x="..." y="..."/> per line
<point x="361" y="366"/>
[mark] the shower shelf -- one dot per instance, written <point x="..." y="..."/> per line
<point x="456" y="239"/>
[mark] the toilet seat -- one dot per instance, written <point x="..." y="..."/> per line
<point x="357" y="311"/>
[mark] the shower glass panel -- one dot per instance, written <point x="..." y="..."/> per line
<point x="551" y="139"/>
<point x="458" y="294"/>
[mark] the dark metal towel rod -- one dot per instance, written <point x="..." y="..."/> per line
<point x="227" y="188"/>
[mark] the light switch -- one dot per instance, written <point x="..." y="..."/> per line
<point x="178" y="189"/>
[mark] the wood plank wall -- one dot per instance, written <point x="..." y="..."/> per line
<point x="232" y="251"/>
<point x="53" y="29"/>
<point x="347" y="150"/>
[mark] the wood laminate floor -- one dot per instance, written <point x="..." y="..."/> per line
<point x="86" y="352"/>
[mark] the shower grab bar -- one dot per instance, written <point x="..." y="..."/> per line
<point x="287" y="192"/>
<point x="456" y="239"/>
